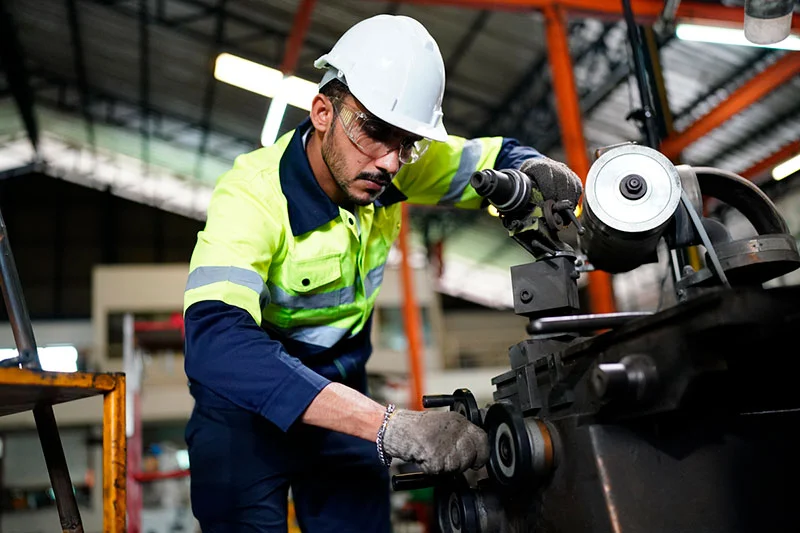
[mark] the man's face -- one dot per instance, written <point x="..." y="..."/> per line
<point x="362" y="152"/>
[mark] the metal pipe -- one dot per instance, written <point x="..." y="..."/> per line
<point x="640" y="70"/>
<point x="411" y="317"/>
<point x="302" y="19"/>
<point x="15" y="304"/>
<point x="57" y="469"/>
<point x="114" y="464"/>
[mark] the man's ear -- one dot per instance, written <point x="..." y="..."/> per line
<point x="321" y="113"/>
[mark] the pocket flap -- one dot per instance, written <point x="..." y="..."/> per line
<point x="310" y="274"/>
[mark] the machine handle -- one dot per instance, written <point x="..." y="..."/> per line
<point x="438" y="400"/>
<point x="413" y="480"/>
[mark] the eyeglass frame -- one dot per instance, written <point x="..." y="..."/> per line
<point x="417" y="147"/>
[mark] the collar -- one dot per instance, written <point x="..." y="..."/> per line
<point x="309" y="207"/>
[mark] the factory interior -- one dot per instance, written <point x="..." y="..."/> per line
<point x="628" y="356"/>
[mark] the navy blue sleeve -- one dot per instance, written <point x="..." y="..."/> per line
<point x="228" y="353"/>
<point x="512" y="154"/>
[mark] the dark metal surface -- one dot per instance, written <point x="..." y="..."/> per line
<point x="705" y="450"/>
<point x="545" y="287"/>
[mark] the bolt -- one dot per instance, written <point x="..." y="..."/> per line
<point x="633" y="187"/>
<point x="525" y="296"/>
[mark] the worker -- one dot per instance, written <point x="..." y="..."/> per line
<point x="283" y="281"/>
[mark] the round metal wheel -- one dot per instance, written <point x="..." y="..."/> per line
<point x="511" y="455"/>
<point x="456" y="508"/>
<point x="465" y="404"/>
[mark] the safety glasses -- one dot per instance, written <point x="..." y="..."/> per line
<point x="375" y="138"/>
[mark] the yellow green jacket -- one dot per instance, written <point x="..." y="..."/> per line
<point x="282" y="281"/>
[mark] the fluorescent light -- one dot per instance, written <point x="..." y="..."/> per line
<point x="787" y="168"/>
<point x="716" y="34"/>
<point x="277" y="108"/>
<point x="264" y="80"/>
<point x="58" y="358"/>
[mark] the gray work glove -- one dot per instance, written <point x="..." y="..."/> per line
<point x="555" y="180"/>
<point x="439" y="441"/>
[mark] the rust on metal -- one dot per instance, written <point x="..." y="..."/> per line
<point x="548" y="443"/>
<point x="77" y="380"/>
<point x="114" y="459"/>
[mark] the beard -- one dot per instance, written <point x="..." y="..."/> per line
<point x="336" y="165"/>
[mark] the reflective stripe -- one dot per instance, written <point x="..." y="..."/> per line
<point x="470" y="156"/>
<point x="206" y="275"/>
<point x="325" y="336"/>
<point x="343" y="296"/>
<point x="374" y="279"/>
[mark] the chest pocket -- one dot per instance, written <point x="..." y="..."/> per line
<point x="316" y="283"/>
<point x="388" y="220"/>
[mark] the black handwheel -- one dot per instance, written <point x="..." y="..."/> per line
<point x="456" y="509"/>
<point x="464" y="403"/>
<point x="511" y="455"/>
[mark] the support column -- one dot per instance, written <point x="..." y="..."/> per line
<point x="411" y="317"/>
<point x="601" y="296"/>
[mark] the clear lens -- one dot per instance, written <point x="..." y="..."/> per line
<point x="374" y="138"/>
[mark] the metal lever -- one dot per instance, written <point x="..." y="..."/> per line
<point x="414" y="480"/>
<point x="573" y="323"/>
<point x="438" y="400"/>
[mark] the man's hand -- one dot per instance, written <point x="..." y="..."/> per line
<point x="439" y="441"/>
<point x="555" y="180"/>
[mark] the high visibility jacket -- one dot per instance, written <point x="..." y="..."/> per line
<point x="301" y="272"/>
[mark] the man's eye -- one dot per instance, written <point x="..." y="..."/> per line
<point x="376" y="131"/>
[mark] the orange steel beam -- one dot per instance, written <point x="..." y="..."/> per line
<point x="601" y="297"/>
<point x="411" y="318"/>
<point x="302" y="19"/>
<point x="114" y="459"/>
<point x="646" y="11"/>
<point x="768" y="163"/>
<point x="773" y="76"/>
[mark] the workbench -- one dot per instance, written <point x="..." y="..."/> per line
<point x="37" y="391"/>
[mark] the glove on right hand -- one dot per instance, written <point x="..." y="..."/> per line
<point x="555" y="180"/>
<point x="439" y="441"/>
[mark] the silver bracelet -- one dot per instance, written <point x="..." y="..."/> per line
<point x="385" y="458"/>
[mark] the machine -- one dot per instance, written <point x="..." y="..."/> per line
<point x="675" y="420"/>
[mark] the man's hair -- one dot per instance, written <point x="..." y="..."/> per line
<point x="335" y="89"/>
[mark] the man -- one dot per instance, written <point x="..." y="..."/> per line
<point x="282" y="285"/>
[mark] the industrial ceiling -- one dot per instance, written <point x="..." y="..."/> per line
<point x="121" y="93"/>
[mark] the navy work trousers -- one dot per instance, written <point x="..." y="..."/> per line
<point x="243" y="466"/>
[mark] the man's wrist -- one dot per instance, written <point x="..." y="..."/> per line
<point x="385" y="458"/>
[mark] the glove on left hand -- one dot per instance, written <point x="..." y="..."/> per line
<point x="555" y="180"/>
<point x="439" y="441"/>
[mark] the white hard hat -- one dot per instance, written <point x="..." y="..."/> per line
<point x="392" y="65"/>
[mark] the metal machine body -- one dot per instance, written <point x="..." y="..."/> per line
<point x="666" y="421"/>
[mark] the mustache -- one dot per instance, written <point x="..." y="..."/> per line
<point x="382" y="178"/>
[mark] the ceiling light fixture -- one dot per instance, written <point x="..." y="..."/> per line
<point x="718" y="35"/>
<point x="264" y="80"/>
<point x="787" y="168"/>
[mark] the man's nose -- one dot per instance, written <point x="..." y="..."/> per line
<point x="390" y="163"/>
